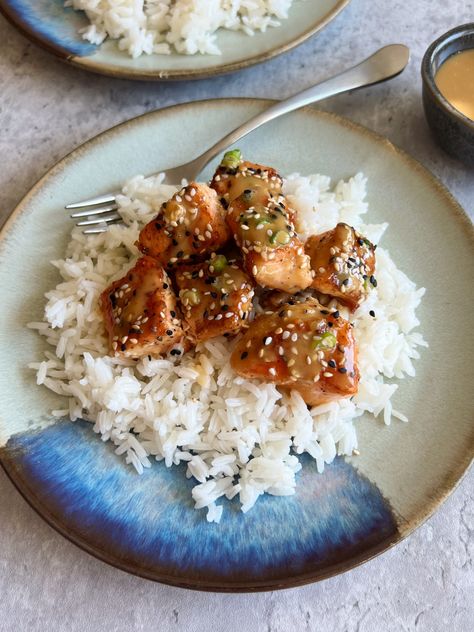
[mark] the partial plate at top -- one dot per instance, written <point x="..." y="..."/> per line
<point x="49" y="24"/>
<point x="359" y="506"/>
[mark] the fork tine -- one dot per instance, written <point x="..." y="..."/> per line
<point x="107" y="198"/>
<point x="100" y="220"/>
<point x="94" y="231"/>
<point x="95" y="211"/>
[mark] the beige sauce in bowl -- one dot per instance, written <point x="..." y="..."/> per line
<point x="455" y="81"/>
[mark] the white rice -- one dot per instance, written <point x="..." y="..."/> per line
<point x="184" y="26"/>
<point x="237" y="436"/>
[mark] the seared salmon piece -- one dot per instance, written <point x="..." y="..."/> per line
<point x="302" y="347"/>
<point x="262" y="224"/>
<point x="343" y="262"/>
<point x="140" y="312"/>
<point x="215" y="296"/>
<point x="234" y="176"/>
<point x="187" y="229"/>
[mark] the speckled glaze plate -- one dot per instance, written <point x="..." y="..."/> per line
<point x="49" y="24"/>
<point x="359" y="506"/>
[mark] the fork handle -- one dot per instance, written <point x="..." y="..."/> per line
<point x="386" y="63"/>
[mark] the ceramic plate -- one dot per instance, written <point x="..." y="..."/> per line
<point x="359" y="506"/>
<point x="49" y="24"/>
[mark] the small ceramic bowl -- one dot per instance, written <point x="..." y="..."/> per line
<point x="453" y="130"/>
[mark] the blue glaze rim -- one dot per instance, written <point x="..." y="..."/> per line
<point x="30" y="20"/>
<point x="25" y="462"/>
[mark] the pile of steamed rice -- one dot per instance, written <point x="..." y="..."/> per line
<point x="187" y="26"/>
<point x="237" y="436"/>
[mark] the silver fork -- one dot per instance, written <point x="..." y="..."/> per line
<point x="384" y="64"/>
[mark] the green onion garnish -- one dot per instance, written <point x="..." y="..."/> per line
<point x="231" y="159"/>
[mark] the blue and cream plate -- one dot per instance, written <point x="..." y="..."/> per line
<point x="56" y="28"/>
<point x="359" y="506"/>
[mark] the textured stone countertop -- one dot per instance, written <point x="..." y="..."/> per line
<point x="426" y="583"/>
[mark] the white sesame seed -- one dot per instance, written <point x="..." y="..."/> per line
<point x="285" y="335"/>
<point x="281" y="351"/>
<point x="327" y="374"/>
<point x="268" y="341"/>
<point x="229" y="314"/>
<point x="294" y="337"/>
<point x="254" y="270"/>
<point x="291" y="362"/>
<point x="219" y="316"/>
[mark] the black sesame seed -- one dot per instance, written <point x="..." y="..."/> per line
<point x="324" y="312"/>
<point x="113" y="300"/>
<point x="123" y="347"/>
<point x="330" y="324"/>
<point x="225" y="308"/>
<point x="209" y="280"/>
<point x="243" y="355"/>
<point x="345" y="282"/>
<point x="360" y="242"/>
<point x="165" y="286"/>
<point x="335" y="314"/>
<point x="175" y="352"/>
<point x="158" y="226"/>
<point x="169" y="332"/>
<point x="179" y="254"/>
<point x="214" y="294"/>
<point x="173" y="314"/>
<point x="187" y="233"/>
<point x="372" y="313"/>
<point x="195" y="274"/>
<point x="342" y="370"/>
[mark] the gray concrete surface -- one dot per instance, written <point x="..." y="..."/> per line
<point x="424" y="584"/>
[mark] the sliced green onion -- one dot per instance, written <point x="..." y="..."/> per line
<point x="218" y="264"/>
<point x="191" y="297"/>
<point x="281" y="237"/>
<point x="325" y="341"/>
<point x="231" y="159"/>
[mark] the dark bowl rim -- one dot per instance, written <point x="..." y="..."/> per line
<point x="428" y="75"/>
